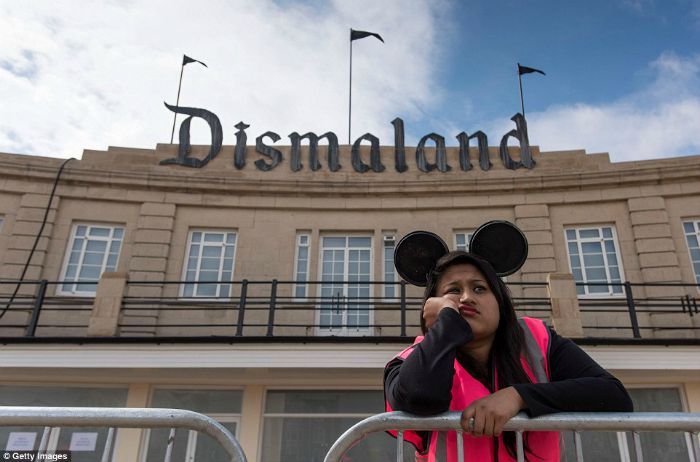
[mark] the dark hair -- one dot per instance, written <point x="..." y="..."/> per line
<point x="508" y="342"/>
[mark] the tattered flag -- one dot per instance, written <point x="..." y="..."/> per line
<point x="359" y="34"/>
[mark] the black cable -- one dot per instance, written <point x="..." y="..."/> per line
<point x="38" y="236"/>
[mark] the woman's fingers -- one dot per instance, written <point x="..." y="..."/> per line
<point x="487" y="416"/>
<point x="467" y="421"/>
<point x="433" y="306"/>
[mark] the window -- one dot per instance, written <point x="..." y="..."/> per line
<point x="189" y="445"/>
<point x="2" y="222"/>
<point x="301" y="266"/>
<point x="593" y="259"/>
<point x="462" y="240"/>
<point x="390" y="287"/>
<point x="618" y="447"/>
<point x="93" y="249"/>
<point x="301" y="425"/>
<point x="692" y="237"/>
<point x="210" y="256"/>
<point x="61" y="438"/>
<point x="345" y="288"/>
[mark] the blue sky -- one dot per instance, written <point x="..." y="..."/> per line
<point x="594" y="51"/>
<point x="623" y="76"/>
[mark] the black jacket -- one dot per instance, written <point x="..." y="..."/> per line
<point x="422" y="383"/>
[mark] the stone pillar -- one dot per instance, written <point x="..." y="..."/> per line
<point x="127" y="442"/>
<point x="534" y="221"/>
<point x="251" y="420"/>
<point x="27" y="224"/>
<point x="653" y="242"/>
<point x="566" y="317"/>
<point x="149" y="260"/>
<point x="104" y="319"/>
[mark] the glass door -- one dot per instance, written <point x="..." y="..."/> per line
<point x="345" y="304"/>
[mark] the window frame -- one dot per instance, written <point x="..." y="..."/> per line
<point x="191" y="449"/>
<point x="55" y="432"/>
<point x="196" y="282"/>
<point x="394" y="286"/>
<point x="696" y="225"/>
<point x="69" y="249"/>
<point x="344" y="330"/>
<point x="305" y="285"/>
<point x="294" y="387"/>
<point x="618" y="256"/>
<point x="467" y="237"/>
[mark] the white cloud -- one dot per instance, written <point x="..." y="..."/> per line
<point x="77" y="75"/>
<point x="658" y="121"/>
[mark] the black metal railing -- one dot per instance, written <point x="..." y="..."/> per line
<point x="31" y="308"/>
<point x="673" y="311"/>
<point x="275" y="308"/>
<point x="291" y="309"/>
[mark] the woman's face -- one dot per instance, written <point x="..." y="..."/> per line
<point x="467" y="286"/>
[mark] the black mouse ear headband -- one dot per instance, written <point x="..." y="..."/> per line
<point x="498" y="242"/>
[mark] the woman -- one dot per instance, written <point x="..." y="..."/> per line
<point x="476" y="357"/>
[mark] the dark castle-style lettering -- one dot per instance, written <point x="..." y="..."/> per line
<point x="272" y="157"/>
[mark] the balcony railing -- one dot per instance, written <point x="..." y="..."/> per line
<point x="675" y="310"/>
<point x="325" y="310"/>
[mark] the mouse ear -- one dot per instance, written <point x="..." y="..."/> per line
<point x="502" y="244"/>
<point x="416" y="254"/>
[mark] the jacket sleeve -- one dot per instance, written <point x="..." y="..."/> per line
<point x="577" y="384"/>
<point x="422" y="382"/>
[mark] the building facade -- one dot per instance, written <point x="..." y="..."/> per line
<point x="268" y="298"/>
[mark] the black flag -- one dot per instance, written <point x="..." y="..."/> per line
<point x="186" y="60"/>
<point x="359" y="34"/>
<point x="528" y="70"/>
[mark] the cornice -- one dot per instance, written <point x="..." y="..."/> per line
<point x="14" y="170"/>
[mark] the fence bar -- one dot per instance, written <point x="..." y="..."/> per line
<point x="273" y="302"/>
<point x="696" y="446"/>
<point x="399" y="447"/>
<point x="520" y="449"/>
<point x="632" y="310"/>
<point x="638" y="447"/>
<point x="122" y="417"/>
<point x="44" y="439"/>
<point x="169" y="447"/>
<point x="38" y="302"/>
<point x="683" y="302"/>
<point x="624" y="446"/>
<point x="460" y="447"/>
<point x="241" y="307"/>
<point x="585" y="421"/>
<point x="578" y="446"/>
<point x="107" y="453"/>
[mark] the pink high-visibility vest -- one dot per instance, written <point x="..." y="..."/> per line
<point x="466" y="389"/>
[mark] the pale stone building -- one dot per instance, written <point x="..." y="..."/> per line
<point x="268" y="299"/>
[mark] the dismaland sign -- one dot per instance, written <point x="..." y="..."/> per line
<point x="272" y="157"/>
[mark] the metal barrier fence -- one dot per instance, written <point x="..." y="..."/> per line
<point x="111" y="418"/>
<point x="576" y="422"/>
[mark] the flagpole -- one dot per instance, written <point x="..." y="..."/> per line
<point x="350" y="93"/>
<point x="520" y="82"/>
<point x="177" y="103"/>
